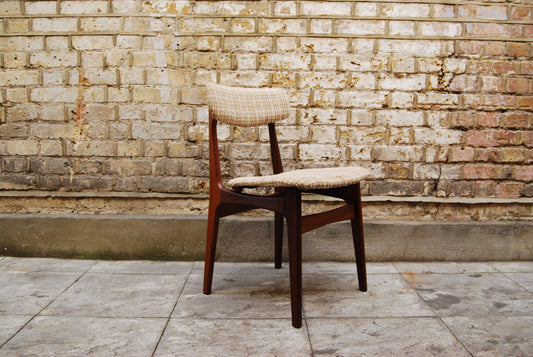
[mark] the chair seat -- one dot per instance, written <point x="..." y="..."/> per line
<point x="321" y="178"/>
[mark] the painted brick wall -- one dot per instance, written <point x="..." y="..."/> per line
<point x="434" y="97"/>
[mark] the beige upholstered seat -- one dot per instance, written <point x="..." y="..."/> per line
<point x="305" y="178"/>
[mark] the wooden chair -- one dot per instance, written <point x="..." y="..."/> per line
<point x="264" y="106"/>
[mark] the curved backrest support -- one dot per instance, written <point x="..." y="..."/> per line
<point x="247" y="106"/>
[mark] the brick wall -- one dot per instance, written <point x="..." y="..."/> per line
<point x="434" y="97"/>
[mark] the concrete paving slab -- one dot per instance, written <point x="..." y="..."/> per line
<point x="444" y="268"/>
<point x="346" y="268"/>
<point x="142" y="267"/>
<point x="233" y="337"/>
<point x="422" y="336"/>
<point x="119" y="295"/>
<point x="82" y="336"/>
<point x="494" y="336"/>
<point x="525" y="280"/>
<point x="236" y="296"/>
<point x="243" y="269"/>
<point x="514" y="267"/>
<point x="45" y="264"/>
<point x="121" y="308"/>
<point x="477" y="294"/>
<point x="27" y="293"/>
<point x="338" y="296"/>
<point x="9" y="325"/>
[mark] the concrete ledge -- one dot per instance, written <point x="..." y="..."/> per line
<point x="250" y="239"/>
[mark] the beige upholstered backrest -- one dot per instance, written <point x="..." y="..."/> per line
<point x="247" y="106"/>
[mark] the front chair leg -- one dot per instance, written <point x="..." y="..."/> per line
<point x="278" y="240"/>
<point x="210" y="249"/>
<point x="359" y="238"/>
<point x="293" y="215"/>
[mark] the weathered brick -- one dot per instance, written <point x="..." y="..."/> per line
<point x="97" y="24"/>
<point x="83" y="7"/>
<point x="405" y="10"/>
<point x="92" y="42"/>
<point x="401" y="28"/>
<point x="19" y="147"/>
<point x="292" y="26"/>
<point x="399" y="153"/>
<point x="363" y="135"/>
<point x="440" y="29"/>
<point x="361" y="27"/>
<point x="40" y="7"/>
<point x="491" y="12"/>
<point x="55" y="24"/>
<point x="54" y="59"/>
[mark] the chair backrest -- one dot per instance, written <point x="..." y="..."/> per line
<point x="247" y="106"/>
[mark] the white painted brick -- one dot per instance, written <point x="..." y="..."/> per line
<point x="291" y="61"/>
<point x="83" y="7"/>
<point x="359" y="152"/>
<point x="437" y="137"/>
<point x="322" y="80"/>
<point x="325" y="8"/>
<point x="55" y="25"/>
<point x="405" y="82"/>
<point x="400" y="118"/>
<point x="324" y="116"/>
<point x="244" y="78"/>
<point x="285" y="8"/>
<point x="362" y="99"/>
<point x="247" y="44"/>
<point x="402" y="100"/>
<point x="54" y="59"/>
<point x="293" y="26"/>
<point x="321" y="26"/>
<point x="324" y="134"/>
<point x="18" y="77"/>
<point x="327" y="45"/>
<point x="402" y="28"/>
<point x="411" y="48"/>
<point x="324" y="62"/>
<point x="405" y="10"/>
<point x="366" y="9"/>
<point x="405" y="153"/>
<point x="321" y="152"/>
<point x="362" y="117"/>
<point x="363" y="63"/>
<point x="40" y="7"/>
<point x="19" y="43"/>
<point x="440" y="29"/>
<point x="361" y="27"/>
<point x="92" y="42"/>
<point x="362" y="135"/>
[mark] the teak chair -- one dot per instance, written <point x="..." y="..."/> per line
<point x="264" y="106"/>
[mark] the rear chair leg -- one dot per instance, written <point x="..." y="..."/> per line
<point x="210" y="250"/>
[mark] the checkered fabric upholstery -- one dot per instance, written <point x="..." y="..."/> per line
<point x="247" y="106"/>
<point x="321" y="178"/>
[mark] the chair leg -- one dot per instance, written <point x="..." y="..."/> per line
<point x="294" y="230"/>
<point x="210" y="249"/>
<point x="278" y="234"/>
<point x="359" y="239"/>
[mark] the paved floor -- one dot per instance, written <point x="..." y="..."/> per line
<point x="51" y="307"/>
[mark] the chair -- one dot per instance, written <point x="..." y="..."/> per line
<point x="264" y="106"/>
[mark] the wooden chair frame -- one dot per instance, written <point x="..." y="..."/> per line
<point x="285" y="203"/>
